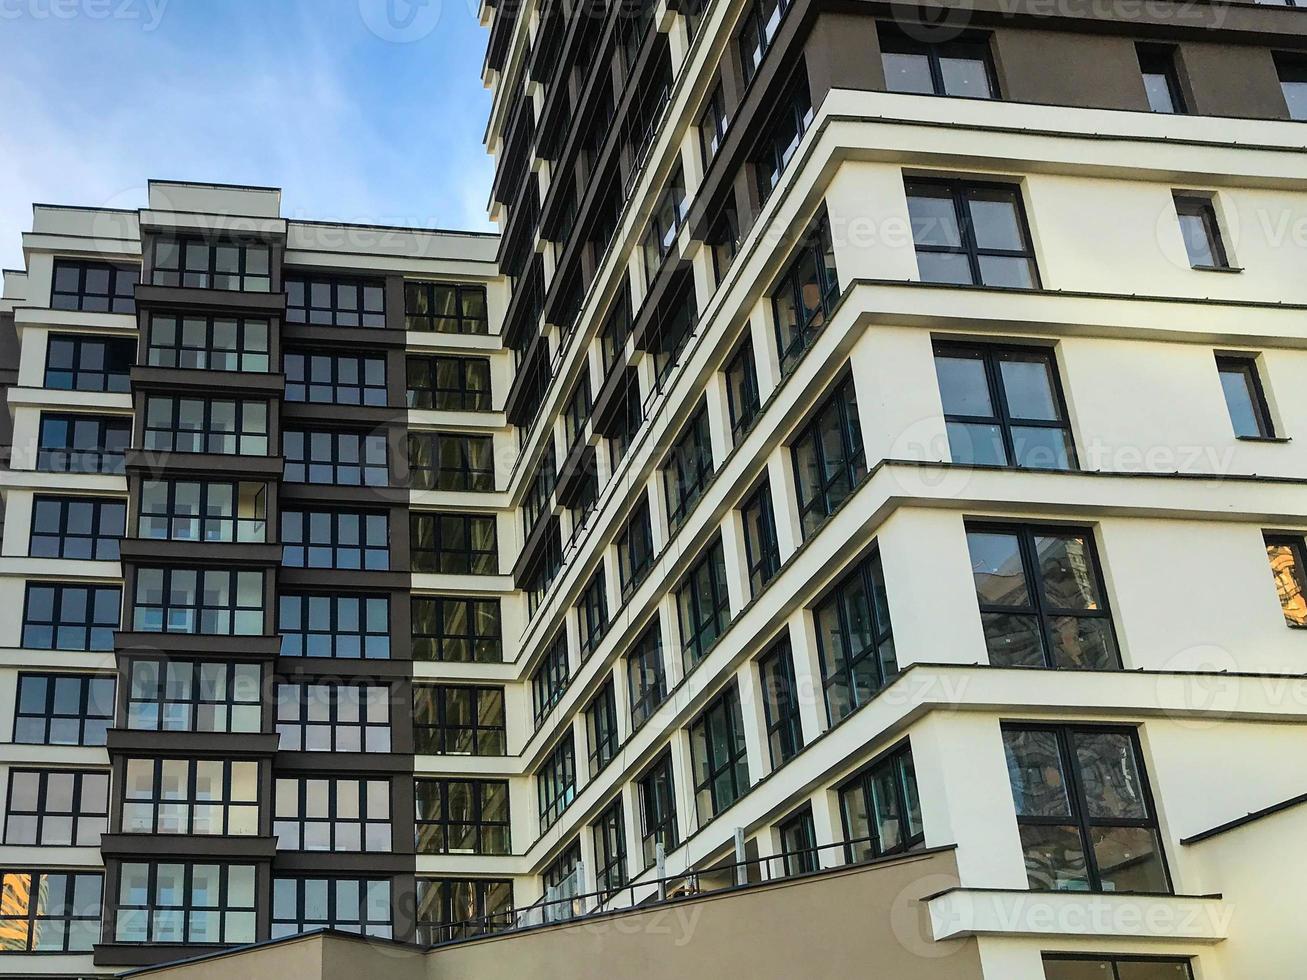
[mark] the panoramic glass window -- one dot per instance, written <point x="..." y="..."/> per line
<point x="50" y="911"/>
<point x="334" y="379"/>
<point x="56" y="808"/>
<point x="63" y="709"/>
<point x="334" y="625"/>
<point x="185" y="903"/>
<point x="442" y="307"/>
<point x="194" y="696"/>
<point x="882" y="810"/>
<point x="855" y="640"/>
<point x="74" y="363"/>
<point x="72" y="527"/>
<point x="971" y="234"/>
<point x="1003" y="406"/>
<point x="187" y="510"/>
<point x="829" y="457"/>
<point x="1084" y="809"/>
<point x="960" y="67"/>
<point x="359" y="905"/>
<point x="207" y="343"/>
<point x="1157" y="65"/>
<point x="191" y="796"/>
<point x="198" y="263"/>
<point x="94" y="287"/>
<point x="335" y="302"/>
<point x="82" y="443"/>
<point x="1068" y="967"/>
<point x="1042" y="598"/>
<point x="721" y="760"/>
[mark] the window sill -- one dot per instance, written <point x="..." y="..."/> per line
<point x="1271" y="439"/>
<point x="1217" y="268"/>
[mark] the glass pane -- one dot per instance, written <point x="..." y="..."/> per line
<point x="963" y="387"/>
<point x="907" y="73"/>
<point x="1110" y="774"/>
<point x="976" y="443"/>
<point x="997" y="568"/>
<point x="1041" y="448"/>
<point x="1080" y="641"/>
<point x="1236" y="382"/>
<point x="1068" y="572"/>
<point x="1034" y="765"/>
<point x="1008" y="271"/>
<point x="934" y="219"/>
<point x="994" y="218"/>
<point x="1055" y="858"/>
<point x="1129" y="859"/>
<point x="1013" y="641"/>
<point x="1028" y="386"/>
<point x="966" y="77"/>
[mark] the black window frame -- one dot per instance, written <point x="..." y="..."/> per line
<point x="302" y="449"/>
<point x="656" y="794"/>
<point x="556" y="781"/>
<point x="208" y="606"/>
<point x="1038" y="605"/>
<point x="87" y="720"/>
<point x="114" y="352"/>
<point x="701" y="628"/>
<point x="75" y="908"/>
<point x="230" y="809"/>
<point x="1112" y="961"/>
<point x="476" y="641"/>
<point x="1247" y="367"/>
<point x="805" y="857"/>
<point x="1291" y="579"/>
<point x="646" y="674"/>
<point x="349" y="807"/>
<point x="222" y="906"/>
<point x="992" y="357"/>
<point x="592" y="612"/>
<point x="298" y="550"/>
<point x="550" y="678"/>
<point x="976" y="45"/>
<point x="181" y="355"/>
<point x="200" y="691"/>
<point x="1073" y="791"/>
<point x="80" y="812"/>
<point x="719" y="780"/>
<point x="429" y="394"/>
<point x="490" y="910"/>
<point x="100" y="546"/>
<point x="464" y="560"/>
<point x="363" y="923"/>
<point x="429" y="469"/>
<point x="210" y="517"/>
<point x="1203" y="208"/>
<point x="297" y="629"/>
<point x="784" y="130"/>
<point x="841" y="671"/>
<point x="906" y="807"/>
<point x="481" y="828"/>
<point x="812" y="262"/>
<point x="181" y="276"/>
<point x="713" y="122"/>
<point x="780" y="702"/>
<point x="602" y="737"/>
<point x="479" y="729"/>
<point x="113" y="437"/>
<point x="294" y="728"/>
<point x="426" y="321"/>
<point x="743" y="400"/>
<point x="958" y="192"/>
<point x="170" y="437"/>
<point x="97" y="633"/>
<point x="304" y="384"/>
<point x="688" y="469"/>
<point x="368" y="311"/>
<point x="826" y="496"/>
<point x="762" y="549"/>
<point x="1291" y="69"/>
<point x="1160" y="60"/>
<point x="609" y="833"/>
<point x="635" y="548"/>
<point x="117" y="299"/>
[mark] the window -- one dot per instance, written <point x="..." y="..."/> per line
<point x="971" y="234"/>
<point x="1293" y="83"/>
<point x="656" y="791"/>
<point x="346" y="459"/>
<point x="457" y="630"/>
<point x="616" y="329"/>
<point x="191" y="796"/>
<point x="1290" y="571"/>
<point x="1084" y="809"/>
<point x="664" y="223"/>
<point x="805" y="297"/>
<point x="742" y="391"/>
<point x="628" y="419"/>
<point x="1201" y="232"/>
<point x="601" y="728"/>
<point x="185" y="903"/>
<point x="82" y="443"/>
<point x="193" y="696"/>
<point x="456" y="544"/>
<point x="756" y="33"/>
<point x="208" y="343"/>
<point x="961" y="66"/>
<point x="712" y="125"/>
<point x="453" y="719"/>
<point x="74" y="363"/>
<point x="335" y="302"/>
<point x="882" y="809"/>
<point x="333" y="717"/>
<point x="344" y="539"/>
<point x="780" y="703"/>
<point x="702" y="605"/>
<point x="1250" y="414"/>
<point x="799" y="843"/>
<point x="335" y="379"/>
<point x="444" y="461"/>
<point x="69" y="527"/>
<point x="196" y="425"/>
<point x="348" y="626"/>
<point x="610" y="850"/>
<point x="462" y="816"/>
<point x="456" y="908"/>
<point x="782" y="136"/>
<point x="1059" y="966"/>
<point x="539" y="491"/>
<point x="829" y="458"/>
<point x="57" y="808"/>
<point x="445" y="307"/>
<point x="721" y="761"/>
<point x="761" y="549"/>
<point x="549" y="680"/>
<point x="452" y="384"/>
<point x="360" y="905"/>
<point x="561" y="879"/>
<point x="213" y="602"/>
<point x="635" y="549"/>
<point x="199" y="264"/>
<point x="70" y="617"/>
<point x="592" y="612"/>
<point x="1003" y="407"/>
<point x="689" y="468"/>
<point x="646" y="675"/>
<point x="187" y="510"/>
<point x="556" y="782"/>
<point x="854" y="640"/>
<point x="576" y="412"/>
<point x="49" y="912"/>
<point x="94" y="287"/>
<point x="1157" y="65"/>
<point x="332" y="814"/>
<point x="1041" y="595"/>
<point x="63" y="709"/>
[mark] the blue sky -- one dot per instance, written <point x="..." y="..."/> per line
<point x="360" y="110"/>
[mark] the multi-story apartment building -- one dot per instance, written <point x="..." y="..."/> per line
<point x="852" y="513"/>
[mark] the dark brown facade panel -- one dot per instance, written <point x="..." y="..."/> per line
<point x="1068" y="69"/>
